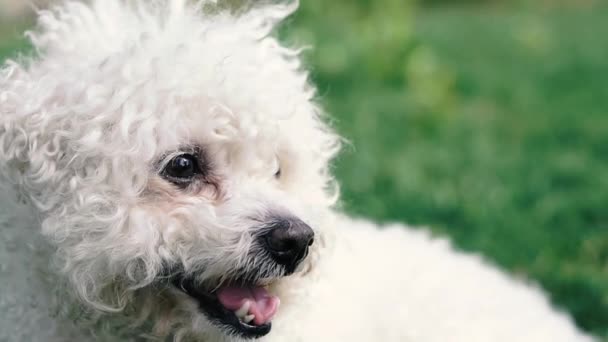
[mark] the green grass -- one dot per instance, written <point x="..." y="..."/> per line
<point x="490" y="125"/>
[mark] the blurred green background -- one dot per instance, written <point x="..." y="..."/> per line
<point x="486" y="121"/>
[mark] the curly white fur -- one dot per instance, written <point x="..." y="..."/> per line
<point x="116" y="89"/>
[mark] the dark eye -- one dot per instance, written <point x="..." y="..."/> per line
<point x="277" y="174"/>
<point x="182" y="168"/>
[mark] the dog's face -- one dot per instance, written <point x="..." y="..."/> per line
<point x="177" y="160"/>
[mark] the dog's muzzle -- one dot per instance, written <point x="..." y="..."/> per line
<point x="244" y="306"/>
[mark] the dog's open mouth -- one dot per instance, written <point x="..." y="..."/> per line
<point x="245" y="310"/>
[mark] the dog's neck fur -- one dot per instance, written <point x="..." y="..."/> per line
<point x="29" y="299"/>
<point x="34" y="300"/>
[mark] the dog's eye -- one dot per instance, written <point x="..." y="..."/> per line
<point x="182" y="168"/>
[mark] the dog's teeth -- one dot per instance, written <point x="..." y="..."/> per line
<point x="248" y="318"/>
<point x="244" y="310"/>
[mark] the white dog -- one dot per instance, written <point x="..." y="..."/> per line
<point x="177" y="166"/>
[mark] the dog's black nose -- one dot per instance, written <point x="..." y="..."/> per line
<point x="287" y="241"/>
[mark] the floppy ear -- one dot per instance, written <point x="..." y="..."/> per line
<point x="28" y="153"/>
<point x="13" y="137"/>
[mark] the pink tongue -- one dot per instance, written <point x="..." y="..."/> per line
<point x="263" y="305"/>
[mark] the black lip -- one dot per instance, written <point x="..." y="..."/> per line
<point x="217" y="313"/>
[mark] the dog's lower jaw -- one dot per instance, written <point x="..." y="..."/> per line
<point x="212" y="326"/>
<point x="238" y="313"/>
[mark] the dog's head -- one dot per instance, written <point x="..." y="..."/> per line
<point x="176" y="157"/>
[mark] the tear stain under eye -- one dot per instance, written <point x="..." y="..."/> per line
<point x="161" y="190"/>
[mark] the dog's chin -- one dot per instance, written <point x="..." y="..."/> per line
<point x="240" y="308"/>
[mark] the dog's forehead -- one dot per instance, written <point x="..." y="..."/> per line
<point x="213" y="64"/>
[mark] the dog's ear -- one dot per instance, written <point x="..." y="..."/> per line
<point x="13" y="137"/>
<point x="28" y="152"/>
